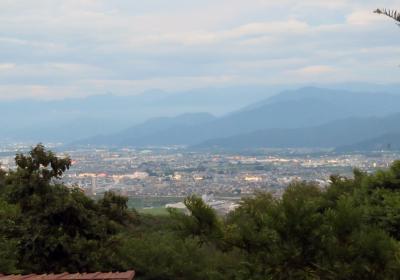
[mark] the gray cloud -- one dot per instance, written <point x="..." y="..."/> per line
<point x="55" y="49"/>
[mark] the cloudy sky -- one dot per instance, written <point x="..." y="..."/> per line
<point x="70" y="48"/>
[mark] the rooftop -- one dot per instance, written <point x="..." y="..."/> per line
<point x="128" y="275"/>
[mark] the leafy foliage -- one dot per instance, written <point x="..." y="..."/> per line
<point x="202" y="221"/>
<point x="58" y="228"/>
<point x="8" y="244"/>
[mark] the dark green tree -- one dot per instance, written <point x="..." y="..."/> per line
<point x="115" y="208"/>
<point x="202" y="221"/>
<point x="59" y="228"/>
<point x="8" y="242"/>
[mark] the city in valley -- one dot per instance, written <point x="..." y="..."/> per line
<point x="163" y="177"/>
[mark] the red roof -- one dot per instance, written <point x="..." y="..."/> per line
<point x="128" y="275"/>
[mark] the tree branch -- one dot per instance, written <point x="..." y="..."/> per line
<point x="390" y="13"/>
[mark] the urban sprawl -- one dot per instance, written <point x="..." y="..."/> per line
<point x="163" y="177"/>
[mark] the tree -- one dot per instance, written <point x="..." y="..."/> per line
<point x="347" y="231"/>
<point x="59" y="228"/>
<point x="202" y="221"/>
<point x="8" y="243"/>
<point x="115" y="208"/>
<point x="389" y="13"/>
<point x="281" y="238"/>
<point x="34" y="175"/>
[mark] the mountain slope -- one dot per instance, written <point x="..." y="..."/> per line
<point x="308" y="107"/>
<point x="135" y="133"/>
<point x="77" y="118"/>
<point x="386" y="142"/>
<point x="333" y="134"/>
<point x="360" y="103"/>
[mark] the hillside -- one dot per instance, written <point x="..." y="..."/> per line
<point x="147" y="130"/>
<point x="333" y="134"/>
<point x="71" y="119"/>
<point x="282" y="114"/>
<point x="386" y="142"/>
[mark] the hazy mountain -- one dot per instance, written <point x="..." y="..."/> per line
<point x="358" y="103"/>
<point x="333" y="134"/>
<point x="274" y="115"/>
<point x="147" y="130"/>
<point x="72" y="119"/>
<point x="307" y="107"/>
<point x="365" y="87"/>
<point x="66" y="131"/>
<point x="386" y="142"/>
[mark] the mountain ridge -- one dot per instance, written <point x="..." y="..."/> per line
<point x="334" y="134"/>
<point x="289" y="110"/>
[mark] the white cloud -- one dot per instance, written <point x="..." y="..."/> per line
<point x="53" y="48"/>
<point x="7" y="66"/>
<point x="269" y="27"/>
<point x="364" y="18"/>
<point x="315" y="70"/>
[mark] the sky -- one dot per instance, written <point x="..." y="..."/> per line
<point x="51" y="49"/>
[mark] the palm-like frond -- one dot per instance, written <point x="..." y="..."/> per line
<point x="390" y="13"/>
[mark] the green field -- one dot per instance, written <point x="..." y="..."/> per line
<point x="151" y="202"/>
<point x="157" y="211"/>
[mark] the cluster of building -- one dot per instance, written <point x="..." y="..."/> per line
<point x="179" y="173"/>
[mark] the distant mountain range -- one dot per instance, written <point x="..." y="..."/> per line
<point x="151" y="132"/>
<point x="71" y="119"/>
<point x="385" y="142"/>
<point x="347" y="134"/>
<point x="308" y="117"/>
